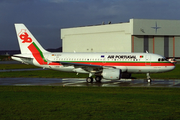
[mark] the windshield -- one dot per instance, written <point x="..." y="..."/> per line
<point x="162" y="59"/>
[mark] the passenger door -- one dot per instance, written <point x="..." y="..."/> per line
<point x="148" y="60"/>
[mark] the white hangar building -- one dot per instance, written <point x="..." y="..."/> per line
<point x="138" y="35"/>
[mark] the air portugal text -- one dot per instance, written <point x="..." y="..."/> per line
<point x="121" y="57"/>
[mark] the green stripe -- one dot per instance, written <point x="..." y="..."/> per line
<point x="40" y="52"/>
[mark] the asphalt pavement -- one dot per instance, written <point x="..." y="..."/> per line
<point x="81" y="82"/>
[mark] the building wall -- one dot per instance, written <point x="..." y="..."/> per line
<point x="103" y="38"/>
<point x="139" y="35"/>
<point x="162" y="45"/>
<point x="159" y="45"/>
<point x="151" y="44"/>
<point x="177" y="46"/>
<point x="163" y="36"/>
<point x="138" y="43"/>
<point x="171" y="47"/>
<point x="102" y="42"/>
<point x="155" y="27"/>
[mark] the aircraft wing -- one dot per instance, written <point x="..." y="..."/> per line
<point x="79" y="64"/>
<point x="86" y="67"/>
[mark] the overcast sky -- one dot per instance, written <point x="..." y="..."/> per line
<point x="45" y="18"/>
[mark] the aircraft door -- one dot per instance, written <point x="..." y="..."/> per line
<point x="148" y="60"/>
<point x="104" y="61"/>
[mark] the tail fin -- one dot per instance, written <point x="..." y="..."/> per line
<point x="27" y="42"/>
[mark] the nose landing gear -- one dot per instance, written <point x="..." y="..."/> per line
<point x="148" y="78"/>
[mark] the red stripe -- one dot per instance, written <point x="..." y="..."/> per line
<point x="36" y="54"/>
<point x="54" y="63"/>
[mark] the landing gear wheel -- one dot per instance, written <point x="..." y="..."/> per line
<point x="98" y="78"/>
<point x="149" y="80"/>
<point x="89" y="80"/>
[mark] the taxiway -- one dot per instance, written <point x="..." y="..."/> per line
<point x="81" y="82"/>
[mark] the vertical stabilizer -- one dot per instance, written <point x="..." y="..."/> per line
<point x="27" y="42"/>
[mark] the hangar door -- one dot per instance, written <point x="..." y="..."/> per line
<point x="162" y="45"/>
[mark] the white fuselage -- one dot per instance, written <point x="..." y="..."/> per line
<point x="127" y="62"/>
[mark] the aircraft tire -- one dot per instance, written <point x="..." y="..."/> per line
<point x="89" y="80"/>
<point x="98" y="78"/>
<point x="149" y="80"/>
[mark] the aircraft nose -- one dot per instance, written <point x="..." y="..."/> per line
<point x="172" y="67"/>
<point x="168" y="68"/>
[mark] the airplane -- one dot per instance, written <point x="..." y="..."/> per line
<point x="111" y="66"/>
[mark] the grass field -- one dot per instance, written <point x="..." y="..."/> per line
<point x="45" y="102"/>
<point x="15" y="66"/>
<point x="175" y="74"/>
<point x="4" y="57"/>
<point x="56" y="102"/>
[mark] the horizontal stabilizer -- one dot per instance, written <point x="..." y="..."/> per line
<point x="26" y="60"/>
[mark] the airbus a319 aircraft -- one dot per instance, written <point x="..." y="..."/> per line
<point x="111" y="66"/>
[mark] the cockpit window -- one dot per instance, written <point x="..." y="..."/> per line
<point x="162" y="59"/>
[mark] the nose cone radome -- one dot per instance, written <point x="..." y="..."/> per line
<point x="170" y="68"/>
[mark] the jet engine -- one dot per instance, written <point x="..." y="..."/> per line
<point x="111" y="74"/>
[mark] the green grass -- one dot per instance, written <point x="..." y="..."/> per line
<point x="56" y="102"/>
<point x="15" y="66"/>
<point x="3" y="57"/>
<point x="45" y="102"/>
<point x="41" y="74"/>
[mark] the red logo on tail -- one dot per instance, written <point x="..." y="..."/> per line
<point x="25" y="37"/>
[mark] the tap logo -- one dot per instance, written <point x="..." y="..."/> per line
<point x="25" y="37"/>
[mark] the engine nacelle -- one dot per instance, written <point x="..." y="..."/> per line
<point x="111" y="74"/>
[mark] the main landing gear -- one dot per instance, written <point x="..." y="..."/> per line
<point x="148" y="78"/>
<point x="90" y="79"/>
